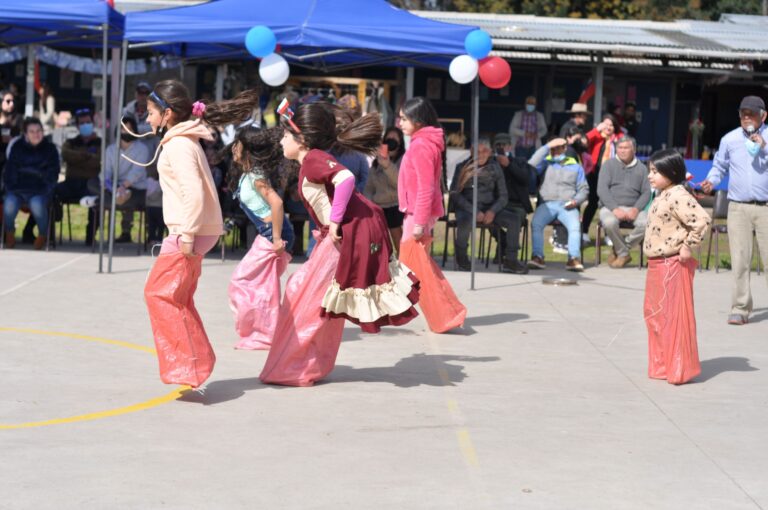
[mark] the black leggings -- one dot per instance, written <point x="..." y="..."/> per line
<point x="591" y="209"/>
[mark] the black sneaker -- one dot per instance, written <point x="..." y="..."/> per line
<point x="125" y="237"/>
<point x="514" y="266"/>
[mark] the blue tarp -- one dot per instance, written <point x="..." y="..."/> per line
<point x="58" y="22"/>
<point x="373" y="31"/>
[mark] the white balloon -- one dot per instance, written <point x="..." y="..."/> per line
<point x="274" y="70"/>
<point x="463" y="69"/>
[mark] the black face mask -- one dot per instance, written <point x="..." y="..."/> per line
<point x="392" y="145"/>
<point x="578" y="146"/>
<point x="126" y="137"/>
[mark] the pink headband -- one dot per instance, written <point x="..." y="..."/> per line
<point x="198" y="108"/>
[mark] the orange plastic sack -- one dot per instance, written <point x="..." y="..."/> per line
<point x="183" y="349"/>
<point x="669" y="316"/>
<point x="305" y="345"/>
<point x="254" y="294"/>
<point x="439" y="304"/>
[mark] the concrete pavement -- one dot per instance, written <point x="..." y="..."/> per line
<point x="541" y="402"/>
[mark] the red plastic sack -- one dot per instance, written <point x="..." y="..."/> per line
<point x="439" y="304"/>
<point x="669" y="316"/>
<point x="254" y="294"/>
<point x="183" y="349"/>
<point x="305" y="343"/>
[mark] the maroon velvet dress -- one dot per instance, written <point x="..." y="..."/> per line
<point x="370" y="288"/>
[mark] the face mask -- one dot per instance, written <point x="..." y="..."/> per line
<point x="86" y="129"/>
<point x="392" y="145"/>
<point x="559" y="158"/>
<point x="530" y="108"/>
<point x="752" y="148"/>
<point x="126" y="137"/>
<point x="578" y="146"/>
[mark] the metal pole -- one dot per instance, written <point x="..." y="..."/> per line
<point x="409" y="79"/>
<point x="221" y="73"/>
<point x="475" y="137"/>
<point x="599" y="78"/>
<point x="116" y="122"/>
<point x="29" y="104"/>
<point x="103" y="174"/>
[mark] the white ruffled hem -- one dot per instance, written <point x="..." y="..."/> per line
<point x="374" y="302"/>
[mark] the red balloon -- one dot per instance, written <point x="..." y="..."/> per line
<point x="494" y="72"/>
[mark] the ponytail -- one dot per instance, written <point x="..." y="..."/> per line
<point x="232" y="111"/>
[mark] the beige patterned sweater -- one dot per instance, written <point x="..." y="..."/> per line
<point x="675" y="218"/>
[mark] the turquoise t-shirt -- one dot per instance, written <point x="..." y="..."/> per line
<point x="251" y="198"/>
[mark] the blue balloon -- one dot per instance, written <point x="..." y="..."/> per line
<point x="260" y="41"/>
<point x="478" y="44"/>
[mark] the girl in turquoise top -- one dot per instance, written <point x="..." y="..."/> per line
<point x="254" y="290"/>
<point x="258" y="153"/>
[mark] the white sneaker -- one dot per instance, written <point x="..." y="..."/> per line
<point x="559" y="248"/>
<point x="585" y="239"/>
<point x="89" y="201"/>
<point x="608" y="241"/>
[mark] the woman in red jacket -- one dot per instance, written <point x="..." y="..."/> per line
<point x="421" y="199"/>
<point x="601" y="142"/>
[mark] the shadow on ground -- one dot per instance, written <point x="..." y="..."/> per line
<point x="416" y="370"/>
<point x="713" y="367"/>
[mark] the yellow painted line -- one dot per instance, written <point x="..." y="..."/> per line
<point x="107" y="341"/>
<point x="467" y="448"/>
<point x="453" y="406"/>
<point x="174" y="395"/>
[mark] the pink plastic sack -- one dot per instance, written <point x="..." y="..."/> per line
<point x="669" y="316"/>
<point x="183" y="349"/>
<point x="439" y="304"/>
<point x="254" y="294"/>
<point x="305" y="343"/>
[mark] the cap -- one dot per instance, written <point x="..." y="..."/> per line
<point x="144" y="87"/>
<point x="502" y="139"/>
<point x="753" y="103"/>
<point x="579" y="108"/>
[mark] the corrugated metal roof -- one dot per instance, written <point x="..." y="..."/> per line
<point x="734" y="37"/>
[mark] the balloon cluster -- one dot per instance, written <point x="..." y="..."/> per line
<point x="494" y="72"/>
<point x="261" y="42"/>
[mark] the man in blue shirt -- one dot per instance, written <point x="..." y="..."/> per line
<point x="743" y="154"/>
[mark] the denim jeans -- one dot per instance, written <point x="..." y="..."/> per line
<point x="546" y="213"/>
<point x="38" y="205"/>
<point x="265" y="229"/>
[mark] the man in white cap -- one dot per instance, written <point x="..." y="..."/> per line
<point x="743" y="154"/>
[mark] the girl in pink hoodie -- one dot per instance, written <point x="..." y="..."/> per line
<point x="421" y="199"/>
<point x="192" y="214"/>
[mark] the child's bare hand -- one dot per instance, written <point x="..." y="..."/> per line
<point x="685" y="253"/>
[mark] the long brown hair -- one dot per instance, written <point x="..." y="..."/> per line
<point x="232" y="111"/>
<point x="330" y="128"/>
<point x="261" y="151"/>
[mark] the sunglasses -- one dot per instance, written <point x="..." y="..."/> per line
<point x="82" y="111"/>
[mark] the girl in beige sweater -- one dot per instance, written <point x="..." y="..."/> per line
<point x="192" y="213"/>
<point x="676" y="225"/>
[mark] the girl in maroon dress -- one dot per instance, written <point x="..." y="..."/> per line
<point x="352" y="273"/>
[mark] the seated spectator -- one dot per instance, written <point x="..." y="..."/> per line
<point x="82" y="157"/>
<point x="516" y="174"/>
<point x="491" y="199"/>
<point x="10" y="124"/>
<point x="30" y="175"/>
<point x="624" y="192"/>
<point x="563" y="190"/>
<point x="131" y="179"/>
<point x="381" y="187"/>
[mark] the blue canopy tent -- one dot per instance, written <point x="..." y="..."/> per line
<point x="328" y="35"/>
<point x="74" y="23"/>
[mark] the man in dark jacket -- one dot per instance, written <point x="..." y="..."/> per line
<point x="30" y="176"/>
<point x="516" y="177"/>
<point x="491" y="200"/>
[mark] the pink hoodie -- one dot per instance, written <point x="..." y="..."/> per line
<point x="190" y="202"/>
<point x="418" y="184"/>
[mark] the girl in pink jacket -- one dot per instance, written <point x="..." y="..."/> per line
<point x="192" y="213"/>
<point x="421" y="199"/>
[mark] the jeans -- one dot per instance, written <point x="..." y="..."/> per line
<point x="265" y="229"/>
<point x="545" y="214"/>
<point x="37" y="203"/>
